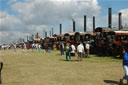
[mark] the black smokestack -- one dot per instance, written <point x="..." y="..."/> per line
<point x="60" y="28"/>
<point x="74" y="26"/>
<point x="52" y="32"/>
<point x="27" y="38"/>
<point x="120" y="21"/>
<point x="23" y="39"/>
<point x="110" y="18"/>
<point x="85" y="23"/>
<point x="45" y="34"/>
<point x="93" y="23"/>
<point x="32" y="37"/>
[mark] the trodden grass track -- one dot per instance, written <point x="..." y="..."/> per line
<point x="41" y="68"/>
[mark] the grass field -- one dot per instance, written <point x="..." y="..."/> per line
<point x="41" y="68"/>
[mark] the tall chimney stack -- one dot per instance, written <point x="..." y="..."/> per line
<point x="85" y="23"/>
<point x="52" y="32"/>
<point x="74" y="29"/>
<point x="120" y="21"/>
<point x="60" y="28"/>
<point x="110" y="18"/>
<point x="27" y="38"/>
<point x="93" y="23"/>
<point x="32" y="37"/>
<point x="45" y="34"/>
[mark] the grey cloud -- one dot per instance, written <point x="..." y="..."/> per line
<point x="124" y="18"/>
<point x="36" y="15"/>
<point x="9" y="37"/>
<point x="50" y="12"/>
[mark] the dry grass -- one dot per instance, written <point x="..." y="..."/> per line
<point x="40" y="68"/>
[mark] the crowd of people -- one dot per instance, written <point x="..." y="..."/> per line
<point x="34" y="46"/>
<point x="70" y="49"/>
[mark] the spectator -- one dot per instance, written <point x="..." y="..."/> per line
<point x="24" y="47"/>
<point x="72" y="50"/>
<point x="125" y="66"/>
<point x="62" y="48"/>
<point x="67" y="51"/>
<point x="80" y="51"/>
<point x="49" y="47"/>
<point x="87" y="49"/>
<point x="14" y="47"/>
<point x="27" y="46"/>
<point x="33" y="47"/>
<point x="39" y="47"/>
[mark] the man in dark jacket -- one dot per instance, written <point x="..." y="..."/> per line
<point x="62" y="48"/>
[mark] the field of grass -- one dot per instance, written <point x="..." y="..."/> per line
<point x="41" y="68"/>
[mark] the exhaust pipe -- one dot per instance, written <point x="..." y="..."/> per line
<point x="120" y="21"/>
<point x="45" y="34"/>
<point x="85" y="23"/>
<point x="60" y="28"/>
<point x="110" y="18"/>
<point x="93" y="23"/>
<point x="52" y="32"/>
<point x="74" y="26"/>
<point x="27" y="38"/>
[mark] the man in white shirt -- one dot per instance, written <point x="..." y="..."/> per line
<point x="33" y="47"/>
<point x="39" y="47"/>
<point x="24" y="47"/>
<point x="87" y="48"/>
<point x="80" y="51"/>
<point x="72" y="52"/>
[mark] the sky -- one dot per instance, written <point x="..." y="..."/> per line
<point x="22" y="18"/>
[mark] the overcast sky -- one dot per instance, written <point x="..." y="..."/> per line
<point x="22" y="18"/>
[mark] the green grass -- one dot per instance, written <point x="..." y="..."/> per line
<point x="41" y="68"/>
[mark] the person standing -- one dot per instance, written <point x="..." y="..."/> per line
<point x="80" y="51"/>
<point x="72" y="51"/>
<point x="1" y="66"/>
<point x="67" y="51"/>
<point x="39" y="47"/>
<point x="125" y="66"/>
<point x="27" y="46"/>
<point x="33" y="47"/>
<point x="85" y="52"/>
<point x="62" y="49"/>
<point x="87" y="49"/>
<point x="24" y="47"/>
<point x="14" y="47"/>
